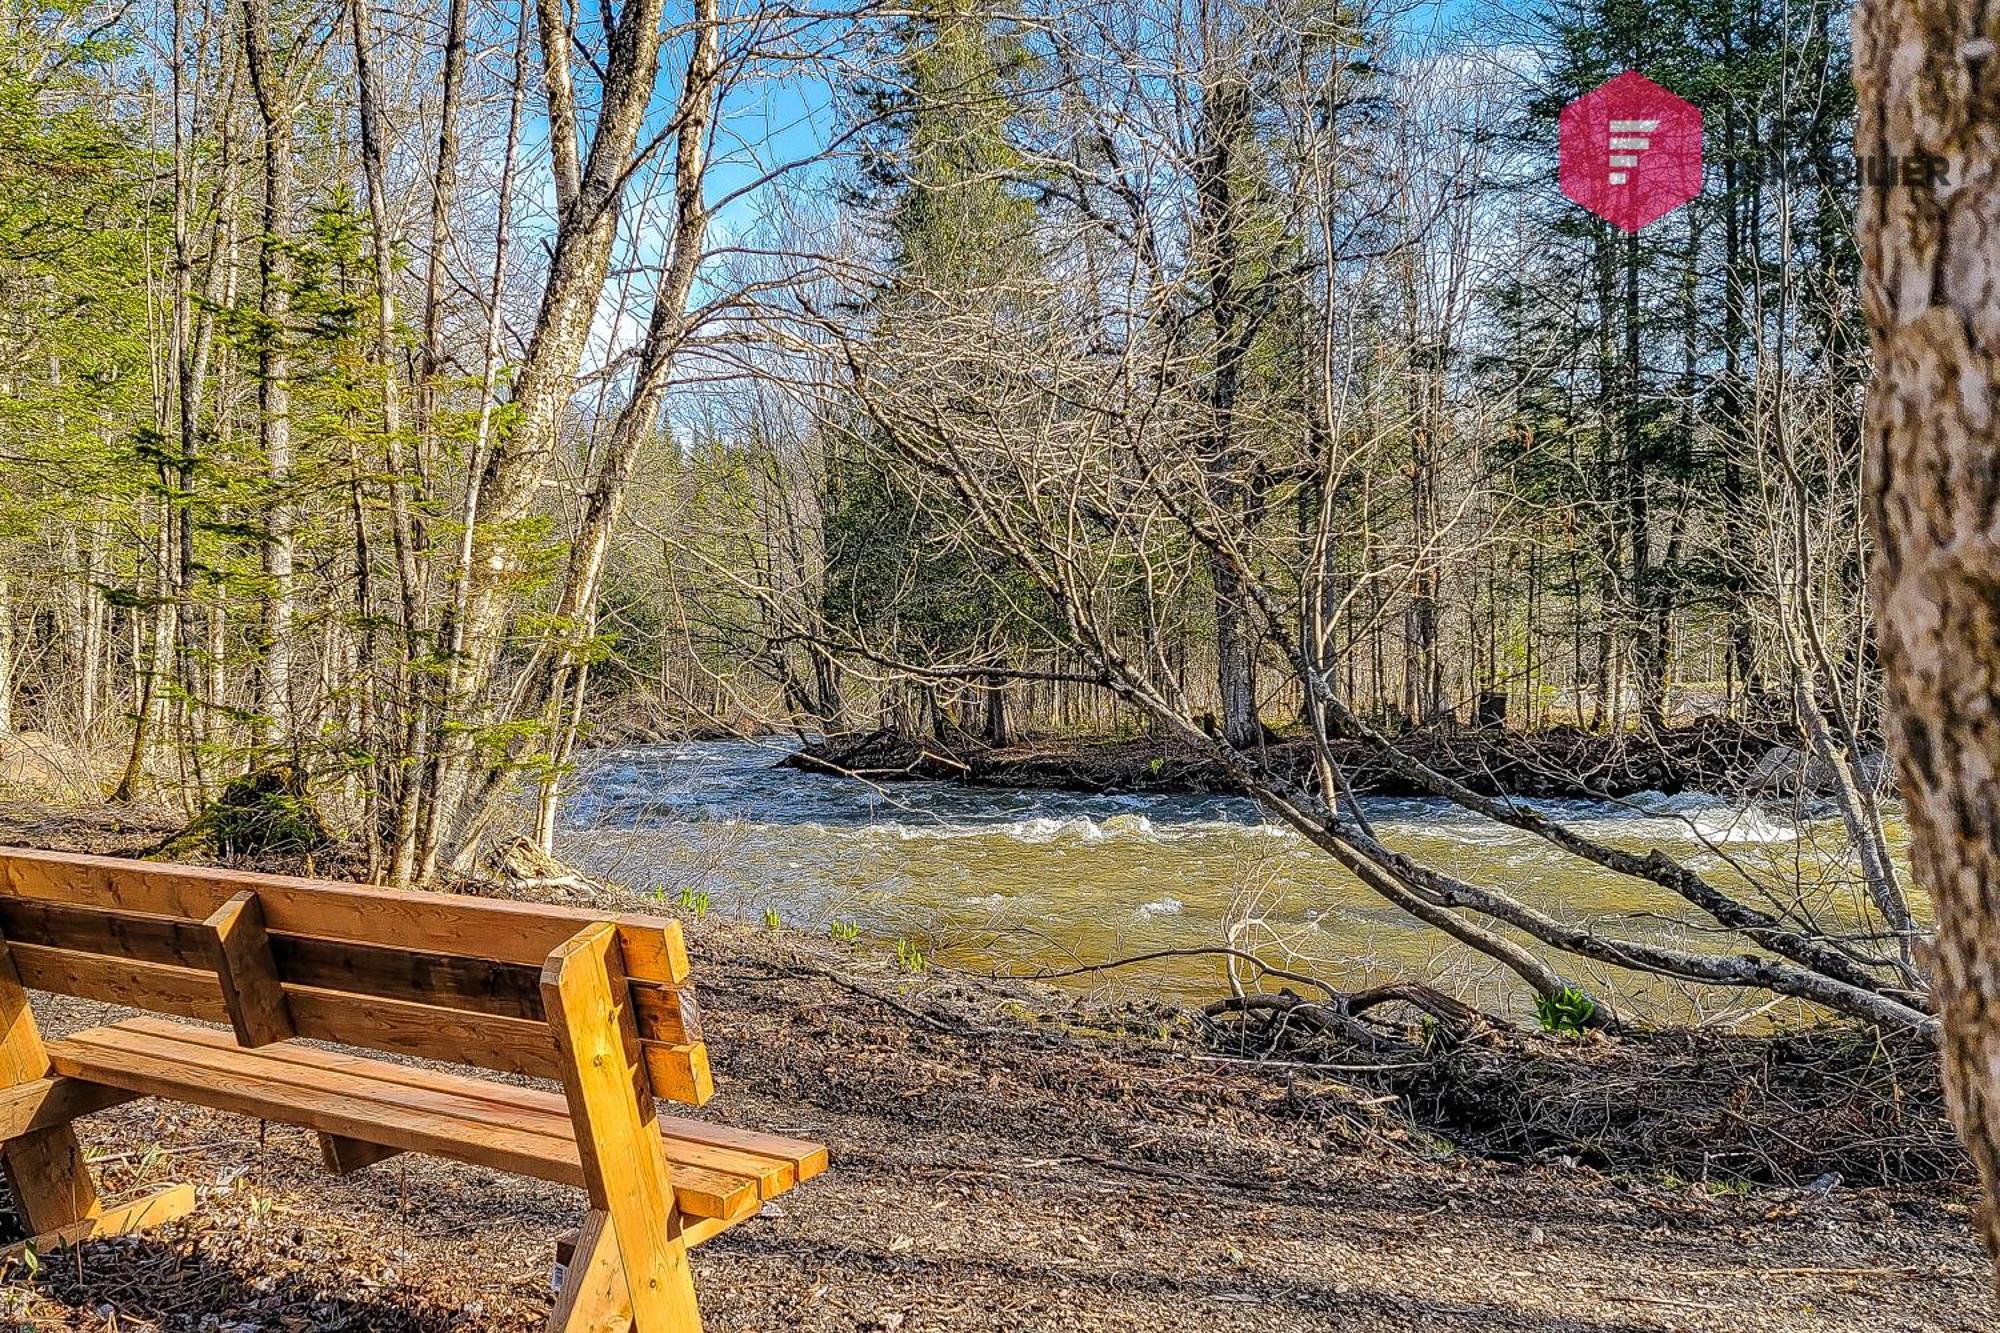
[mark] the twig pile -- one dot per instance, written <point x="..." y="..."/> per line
<point x="1782" y="1109"/>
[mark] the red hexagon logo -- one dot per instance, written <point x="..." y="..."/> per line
<point x="1630" y="151"/>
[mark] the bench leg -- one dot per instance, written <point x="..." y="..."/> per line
<point x="593" y="1298"/>
<point x="344" y="1156"/>
<point x="51" y="1185"/>
<point x="625" y="1170"/>
<point x="58" y="1202"/>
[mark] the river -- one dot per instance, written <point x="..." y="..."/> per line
<point x="1025" y="881"/>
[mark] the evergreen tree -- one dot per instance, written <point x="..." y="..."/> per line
<point x="79" y="436"/>
<point x="905" y="570"/>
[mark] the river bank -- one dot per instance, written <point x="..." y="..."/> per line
<point x="990" y="1174"/>
<point x="1010" y="1156"/>
<point x="1717" y="755"/>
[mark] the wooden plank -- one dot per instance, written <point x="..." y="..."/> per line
<point x="512" y="1045"/>
<point x="706" y="1229"/>
<point x="272" y="1064"/>
<point x="249" y="976"/>
<point x="141" y="936"/>
<point x="22" y="1055"/>
<point x="118" y="1220"/>
<point x="775" y="1162"/>
<point x="490" y="1041"/>
<point x="246" y="1089"/>
<point x="679" y="1073"/>
<point x="694" y="1233"/>
<point x="272" y="1084"/>
<point x="151" y="986"/>
<point x="45" y="1102"/>
<point x="510" y="990"/>
<point x="500" y="1103"/>
<point x="654" y="948"/>
<point x="611" y="1103"/>
<point x="593" y="1298"/>
<point x="509" y="1044"/>
<point x="666" y="1014"/>
<point x="497" y="928"/>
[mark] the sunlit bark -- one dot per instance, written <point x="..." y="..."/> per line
<point x="1932" y="267"/>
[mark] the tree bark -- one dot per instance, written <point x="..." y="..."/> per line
<point x="1225" y="121"/>
<point x="1931" y="258"/>
<point x="411" y="735"/>
<point x="6" y="653"/>
<point x="444" y="193"/>
<point x="274" y="387"/>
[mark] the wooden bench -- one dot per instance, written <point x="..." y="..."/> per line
<point x="600" y="1003"/>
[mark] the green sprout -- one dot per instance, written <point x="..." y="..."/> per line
<point x="1568" y="1010"/>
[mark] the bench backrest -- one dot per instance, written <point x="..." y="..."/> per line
<point x="441" y="976"/>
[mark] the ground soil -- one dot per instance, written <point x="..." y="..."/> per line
<point x="1708" y="754"/>
<point x="1002" y="1159"/>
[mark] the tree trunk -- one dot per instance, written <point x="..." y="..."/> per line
<point x="409" y="733"/>
<point x="274" y="388"/>
<point x="6" y="653"/>
<point x="148" y="647"/>
<point x="993" y="725"/>
<point x="1235" y="661"/>
<point x="1225" y="121"/>
<point x="90" y="644"/>
<point x="1730" y="400"/>
<point x="557" y="671"/>
<point x="444" y="192"/>
<point x="1930" y="271"/>
<point x="1648" y="653"/>
<point x="498" y="554"/>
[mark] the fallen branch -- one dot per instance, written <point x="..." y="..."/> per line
<point x="1214" y="950"/>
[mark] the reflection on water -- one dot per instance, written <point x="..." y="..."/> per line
<point x="1022" y="880"/>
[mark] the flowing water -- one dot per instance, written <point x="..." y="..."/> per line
<point x="1037" y="881"/>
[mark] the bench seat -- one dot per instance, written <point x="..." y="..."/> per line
<point x="719" y="1174"/>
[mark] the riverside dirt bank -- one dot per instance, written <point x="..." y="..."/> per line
<point x="1006" y="1157"/>
<point x="1716" y="755"/>
<point x="997" y="1167"/>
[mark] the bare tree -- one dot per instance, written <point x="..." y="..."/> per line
<point x="517" y="458"/>
<point x="1060" y="420"/>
